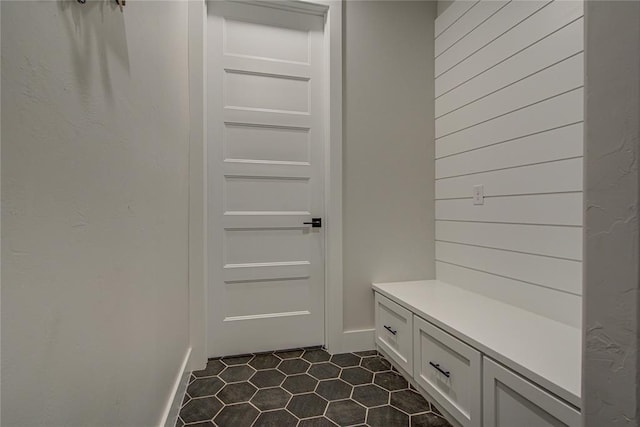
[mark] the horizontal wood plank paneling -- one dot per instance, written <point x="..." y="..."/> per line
<point x="562" y="242"/>
<point x="559" y="111"/>
<point x="538" y="26"/>
<point x="561" y="274"/>
<point x="452" y="14"/>
<point x="549" y="82"/>
<point x="467" y="23"/>
<point x="553" y="177"/>
<point x="560" y="143"/>
<point x="560" y="45"/>
<point x="552" y="209"/>
<point x="560" y="306"/>
<point x="493" y="28"/>
<point x="509" y="108"/>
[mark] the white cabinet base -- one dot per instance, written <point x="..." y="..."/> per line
<point x="449" y="370"/>
<point x="510" y="400"/>
<point x="394" y="331"/>
<point x="479" y="359"/>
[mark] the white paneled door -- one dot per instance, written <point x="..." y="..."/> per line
<point x="265" y="133"/>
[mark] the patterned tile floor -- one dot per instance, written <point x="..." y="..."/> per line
<point x="304" y="388"/>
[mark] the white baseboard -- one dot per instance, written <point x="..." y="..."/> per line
<point x="172" y="407"/>
<point x="358" y="340"/>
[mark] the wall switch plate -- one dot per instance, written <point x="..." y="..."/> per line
<point x="478" y="194"/>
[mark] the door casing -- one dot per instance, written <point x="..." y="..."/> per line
<point x="198" y="275"/>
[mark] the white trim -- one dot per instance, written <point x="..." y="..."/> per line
<point x="334" y="325"/>
<point x="172" y="407"/>
<point x="315" y="8"/>
<point x="358" y="340"/>
<point x="332" y="10"/>
<point x="197" y="186"/>
<point x="267" y="316"/>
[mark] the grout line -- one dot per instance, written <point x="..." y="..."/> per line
<point x="284" y="407"/>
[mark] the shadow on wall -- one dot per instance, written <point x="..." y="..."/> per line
<point x="97" y="33"/>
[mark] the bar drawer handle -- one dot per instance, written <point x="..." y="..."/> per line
<point x="388" y="328"/>
<point x="442" y="371"/>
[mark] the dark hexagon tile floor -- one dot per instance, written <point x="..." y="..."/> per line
<point x="304" y="388"/>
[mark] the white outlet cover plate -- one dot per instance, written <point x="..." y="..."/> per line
<point x="478" y="194"/>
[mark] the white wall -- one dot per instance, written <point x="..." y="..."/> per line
<point x="94" y="219"/>
<point x="611" y="364"/>
<point x="443" y="5"/>
<point x="388" y="149"/>
<point x="509" y="116"/>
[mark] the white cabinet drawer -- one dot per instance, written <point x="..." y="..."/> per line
<point x="510" y="400"/>
<point x="449" y="371"/>
<point x="394" y="331"/>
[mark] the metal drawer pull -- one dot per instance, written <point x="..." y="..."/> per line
<point x="388" y="328"/>
<point x="442" y="371"/>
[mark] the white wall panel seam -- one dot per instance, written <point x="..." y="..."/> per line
<point x="557" y="46"/>
<point x="507" y="167"/>
<point x="507" y="250"/>
<point x="492" y="40"/>
<point x="511" y="84"/>
<point x="472" y="221"/>
<point x="510" y="140"/>
<point x="438" y="95"/>
<point x="476" y="26"/>
<point x="438" y="31"/>
<point x="507" y="277"/>
<point x="513" y="111"/>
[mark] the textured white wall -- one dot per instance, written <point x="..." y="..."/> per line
<point x="94" y="219"/>
<point x="388" y="149"/>
<point x="611" y="366"/>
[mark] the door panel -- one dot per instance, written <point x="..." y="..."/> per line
<point x="266" y="41"/>
<point x="265" y="245"/>
<point x="266" y="194"/>
<point x="293" y="291"/>
<point x="265" y="178"/>
<point x="253" y="90"/>
<point x="266" y="143"/>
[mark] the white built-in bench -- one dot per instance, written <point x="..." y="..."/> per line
<point x="485" y="362"/>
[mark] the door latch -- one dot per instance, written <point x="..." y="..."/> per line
<point x="315" y="222"/>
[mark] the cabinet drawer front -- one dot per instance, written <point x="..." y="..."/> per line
<point x="449" y="370"/>
<point x="509" y="399"/>
<point x="394" y="331"/>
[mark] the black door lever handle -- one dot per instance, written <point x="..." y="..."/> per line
<point x="315" y="222"/>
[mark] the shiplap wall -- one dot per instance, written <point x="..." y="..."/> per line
<point x="509" y="116"/>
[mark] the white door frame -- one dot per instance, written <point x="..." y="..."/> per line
<point x="198" y="277"/>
